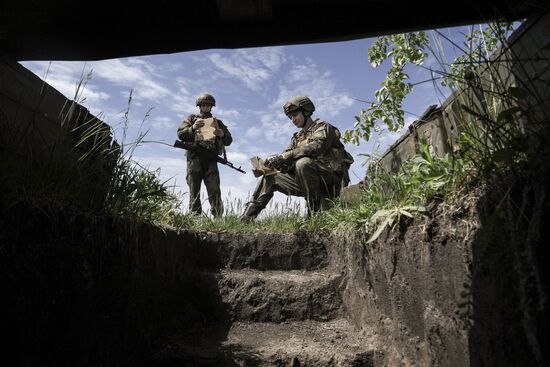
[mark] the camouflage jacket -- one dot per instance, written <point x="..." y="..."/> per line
<point x="187" y="133"/>
<point x="321" y="142"/>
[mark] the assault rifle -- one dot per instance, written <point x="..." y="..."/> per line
<point x="206" y="152"/>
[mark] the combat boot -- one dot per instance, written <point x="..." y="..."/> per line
<point x="251" y="212"/>
<point x="325" y="203"/>
<point x="319" y="204"/>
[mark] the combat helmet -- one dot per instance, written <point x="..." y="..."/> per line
<point x="206" y="98"/>
<point x="299" y="103"/>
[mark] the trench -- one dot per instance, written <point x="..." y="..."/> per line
<point x="464" y="286"/>
<point x="442" y="290"/>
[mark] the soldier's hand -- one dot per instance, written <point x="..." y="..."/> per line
<point x="219" y="133"/>
<point x="274" y="161"/>
<point x="198" y="124"/>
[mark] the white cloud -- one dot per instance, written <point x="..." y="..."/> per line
<point x="253" y="132"/>
<point x="276" y="129"/>
<point x="183" y="105"/>
<point x="319" y="86"/>
<point x="251" y="77"/>
<point x="409" y="120"/>
<point x="167" y="70"/>
<point x="252" y="67"/>
<point x="92" y="97"/>
<point x="183" y="85"/>
<point x="272" y="57"/>
<point x="130" y="74"/>
<point x="66" y="77"/>
<point x="387" y="138"/>
<point x="237" y="158"/>
<point x="163" y="123"/>
<point x="302" y="74"/>
<point x="229" y="117"/>
<point x="134" y="74"/>
<point x="71" y="70"/>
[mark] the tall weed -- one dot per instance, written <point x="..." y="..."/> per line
<point x="134" y="191"/>
<point x="71" y="161"/>
<point x="497" y="109"/>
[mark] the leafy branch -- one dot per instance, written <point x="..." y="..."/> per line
<point x="413" y="49"/>
<point x="390" y="217"/>
<point x="404" y="49"/>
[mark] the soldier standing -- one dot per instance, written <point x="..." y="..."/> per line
<point x="315" y="165"/>
<point x="200" y="167"/>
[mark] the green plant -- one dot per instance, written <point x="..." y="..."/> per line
<point x="480" y="44"/>
<point x="388" y="196"/>
<point x="413" y="49"/>
<point x="490" y="120"/>
<point x="135" y="191"/>
<point x="277" y="217"/>
<point x="402" y="49"/>
<point x="71" y="162"/>
<point x="138" y="193"/>
<point x="390" y="217"/>
<point x="500" y="108"/>
<point x="55" y="161"/>
<point x="417" y="181"/>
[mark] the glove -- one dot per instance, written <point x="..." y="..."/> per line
<point x="274" y="161"/>
<point x="198" y="124"/>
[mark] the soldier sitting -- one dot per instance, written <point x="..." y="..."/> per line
<point x="315" y="165"/>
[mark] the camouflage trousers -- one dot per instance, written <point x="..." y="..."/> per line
<point x="309" y="179"/>
<point x="200" y="169"/>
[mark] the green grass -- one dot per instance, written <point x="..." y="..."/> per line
<point x="72" y="163"/>
<point x="276" y="218"/>
<point x="387" y="197"/>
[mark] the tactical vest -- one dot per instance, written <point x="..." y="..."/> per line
<point x="336" y="158"/>
<point x="215" y="144"/>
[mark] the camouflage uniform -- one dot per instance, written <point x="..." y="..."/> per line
<point x="318" y="169"/>
<point x="203" y="168"/>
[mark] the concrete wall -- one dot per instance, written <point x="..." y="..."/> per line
<point x="523" y="63"/>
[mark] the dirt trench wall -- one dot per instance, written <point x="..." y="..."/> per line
<point x="83" y="291"/>
<point x="446" y="290"/>
<point x="79" y="290"/>
<point x="412" y="289"/>
<point x="466" y="288"/>
<point x="461" y="288"/>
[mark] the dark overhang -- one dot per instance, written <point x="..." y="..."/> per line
<point x="93" y="30"/>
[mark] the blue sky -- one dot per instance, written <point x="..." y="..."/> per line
<point x="250" y="86"/>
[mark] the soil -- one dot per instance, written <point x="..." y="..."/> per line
<point x="297" y="343"/>
<point x="444" y="290"/>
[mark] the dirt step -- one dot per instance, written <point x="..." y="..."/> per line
<point x="277" y="296"/>
<point x="263" y="251"/>
<point x="302" y="343"/>
<point x="271" y="296"/>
